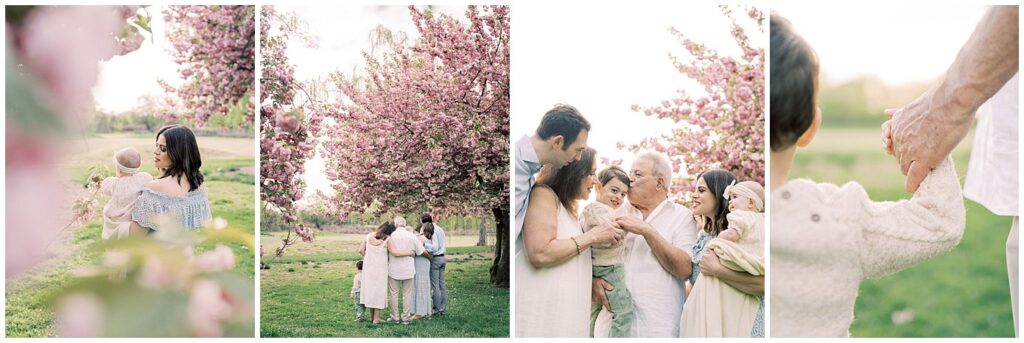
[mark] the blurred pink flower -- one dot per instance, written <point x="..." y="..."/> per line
<point x="156" y="274"/>
<point x="208" y="308"/>
<point x="63" y="45"/>
<point x="35" y="201"/>
<point x="116" y="258"/>
<point x="80" y="315"/>
<point x="220" y="259"/>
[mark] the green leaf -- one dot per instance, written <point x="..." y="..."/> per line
<point x="142" y="22"/>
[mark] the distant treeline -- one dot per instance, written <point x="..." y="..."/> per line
<point x="461" y="225"/>
<point x="149" y="123"/>
<point x="861" y="101"/>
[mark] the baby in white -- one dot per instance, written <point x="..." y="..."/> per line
<point x="124" y="190"/>
<point x="746" y="226"/>
<point x="715" y="309"/>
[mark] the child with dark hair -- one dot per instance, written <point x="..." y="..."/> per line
<point x="357" y="285"/>
<point x="613" y="184"/>
<point x="826" y="239"/>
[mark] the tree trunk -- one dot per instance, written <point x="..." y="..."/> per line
<point x="500" y="268"/>
<point x="482" y="224"/>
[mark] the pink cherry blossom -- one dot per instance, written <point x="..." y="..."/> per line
<point x="728" y="123"/>
<point x="208" y="309"/>
<point x="215" y="49"/>
<point x="287" y="131"/>
<point x="220" y="259"/>
<point x="80" y="315"/>
<point x="63" y="46"/>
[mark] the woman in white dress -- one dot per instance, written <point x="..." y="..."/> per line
<point x="375" y="249"/>
<point x="553" y="266"/>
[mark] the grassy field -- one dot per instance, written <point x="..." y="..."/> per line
<point x="231" y="195"/>
<point x="963" y="293"/>
<point x="306" y="293"/>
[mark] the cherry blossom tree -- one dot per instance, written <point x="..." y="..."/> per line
<point x="724" y="128"/>
<point x="426" y="125"/>
<point x="214" y="47"/>
<point x="286" y="132"/>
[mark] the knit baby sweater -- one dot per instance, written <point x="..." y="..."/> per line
<point x="827" y="239"/>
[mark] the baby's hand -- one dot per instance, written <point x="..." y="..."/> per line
<point x="887" y="133"/>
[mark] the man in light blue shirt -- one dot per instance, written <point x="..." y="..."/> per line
<point x="559" y="140"/>
<point x="436" y="248"/>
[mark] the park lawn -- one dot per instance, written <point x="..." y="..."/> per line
<point x="962" y="293"/>
<point x="306" y="293"/>
<point x="27" y="298"/>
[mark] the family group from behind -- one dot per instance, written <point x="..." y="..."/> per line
<point x="398" y="259"/>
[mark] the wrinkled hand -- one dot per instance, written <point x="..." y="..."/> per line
<point x="598" y="287"/>
<point x="633" y="224"/>
<point x="922" y="135"/>
<point x="710" y="264"/>
<point x="606" y="233"/>
<point x="887" y="135"/>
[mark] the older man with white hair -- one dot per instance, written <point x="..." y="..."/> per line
<point x="401" y="270"/>
<point x="661" y="234"/>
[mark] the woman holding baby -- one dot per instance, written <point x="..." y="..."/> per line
<point x="178" y="195"/>
<point x="728" y="259"/>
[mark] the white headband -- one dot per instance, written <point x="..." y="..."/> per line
<point x="123" y="169"/>
<point x="746" y="193"/>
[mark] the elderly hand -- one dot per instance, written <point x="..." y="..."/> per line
<point x="633" y="224"/>
<point x="604" y="234"/>
<point x="922" y="135"/>
<point x="710" y="265"/>
<point x="598" y="287"/>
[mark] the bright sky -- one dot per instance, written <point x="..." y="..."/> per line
<point x="898" y="43"/>
<point x="124" y="79"/>
<point x="603" y="59"/>
<point x="343" y="33"/>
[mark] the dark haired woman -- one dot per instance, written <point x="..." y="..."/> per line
<point x="421" y="304"/>
<point x="710" y="204"/>
<point x="553" y="261"/>
<point x="178" y="193"/>
<point x="375" y="249"/>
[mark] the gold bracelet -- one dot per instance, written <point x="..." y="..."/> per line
<point x="577" y="245"/>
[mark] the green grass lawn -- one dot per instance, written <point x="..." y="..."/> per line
<point x="963" y="293"/>
<point x="231" y="197"/>
<point x="306" y="293"/>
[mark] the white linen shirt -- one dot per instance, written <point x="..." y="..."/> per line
<point x="992" y="172"/>
<point x="527" y="164"/>
<point x="657" y="295"/>
<point x="403" y="268"/>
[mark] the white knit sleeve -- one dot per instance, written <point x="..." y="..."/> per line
<point x="900" y="234"/>
<point x="107" y="186"/>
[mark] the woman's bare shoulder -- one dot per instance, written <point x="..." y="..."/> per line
<point x="166" y="186"/>
<point x="542" y="191"/>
